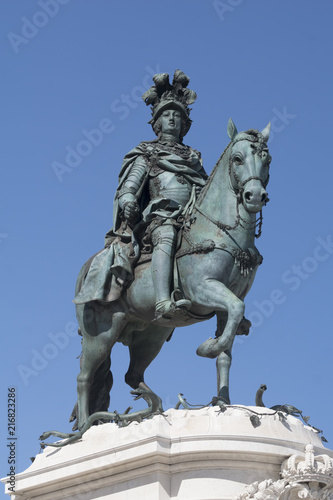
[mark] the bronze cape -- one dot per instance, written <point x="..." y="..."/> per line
<point x="111" y="267"/>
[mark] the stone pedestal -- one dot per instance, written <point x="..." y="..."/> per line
<point x="184" y="454"/>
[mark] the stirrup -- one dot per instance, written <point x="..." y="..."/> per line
<point x="169" y="308"/>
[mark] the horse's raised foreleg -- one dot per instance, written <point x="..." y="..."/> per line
<point x="215" y="295"/>
<point x="100" y="332"/>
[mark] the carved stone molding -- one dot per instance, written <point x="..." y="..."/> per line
<point x="303" y="476"/>
<point x="199" y="454"/>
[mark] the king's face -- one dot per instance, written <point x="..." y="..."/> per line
<point x="171" y="122"/>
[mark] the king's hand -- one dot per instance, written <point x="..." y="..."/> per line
<point x="131" y="211"/>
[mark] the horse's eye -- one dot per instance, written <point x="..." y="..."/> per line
<point x="238" y="159"/>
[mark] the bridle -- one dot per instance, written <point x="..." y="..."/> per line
<point x="258" y="147"/>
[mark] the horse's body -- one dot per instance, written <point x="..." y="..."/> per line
<point x="215" y="280"/>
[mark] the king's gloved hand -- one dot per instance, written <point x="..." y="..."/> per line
<point x="131" y="211"/>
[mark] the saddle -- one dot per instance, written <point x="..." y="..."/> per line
<point x="128" y="255"/>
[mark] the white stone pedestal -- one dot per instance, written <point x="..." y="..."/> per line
<point x="183" y="454"/>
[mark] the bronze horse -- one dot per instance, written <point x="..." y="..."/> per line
<point x="217" y="264"/>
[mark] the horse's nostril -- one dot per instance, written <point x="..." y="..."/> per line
<point x="263" y="197"/>
<point x="248" y="195"/>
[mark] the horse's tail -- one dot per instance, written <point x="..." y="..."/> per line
<point x="103" y="380"/>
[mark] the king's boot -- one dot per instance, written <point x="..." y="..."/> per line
<point x="164" y="238"/>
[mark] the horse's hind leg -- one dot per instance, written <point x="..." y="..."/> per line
<point x="101" y="387"/>
<point x="99" y="333"/>
<point x="144" y="347"/>
<point x="223" y="363"/>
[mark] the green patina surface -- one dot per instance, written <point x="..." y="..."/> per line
<point x="181" y="250"/>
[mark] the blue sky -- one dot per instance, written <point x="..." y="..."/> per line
<point x="72" y="67"/>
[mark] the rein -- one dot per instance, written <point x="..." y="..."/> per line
<point x="239" y="220"/>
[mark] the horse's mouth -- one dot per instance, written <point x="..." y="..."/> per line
<point x="253" y="207"/>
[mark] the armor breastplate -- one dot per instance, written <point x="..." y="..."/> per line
<point x="170" y="186"/>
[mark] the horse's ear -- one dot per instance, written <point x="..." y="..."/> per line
<point x="231" y="129"/>
<point x="265" y="132"/>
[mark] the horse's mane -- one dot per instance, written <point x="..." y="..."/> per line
<point x="211" y="175"/>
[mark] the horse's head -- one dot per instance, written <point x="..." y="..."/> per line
<point x="249" y="161"/>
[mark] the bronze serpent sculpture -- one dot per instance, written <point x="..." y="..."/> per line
<point x="124" y="418"/>
<point x="287" y="409"/>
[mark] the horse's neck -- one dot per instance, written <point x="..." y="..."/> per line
<point x="219" y="203"/>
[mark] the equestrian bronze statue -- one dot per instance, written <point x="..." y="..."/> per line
<point x="181" y="250"/>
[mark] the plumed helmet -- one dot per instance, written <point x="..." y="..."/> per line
<point x="164" y="95"/>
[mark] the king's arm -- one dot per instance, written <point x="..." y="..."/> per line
<point x="202" y="172"/>
<point x="128" y="192"/>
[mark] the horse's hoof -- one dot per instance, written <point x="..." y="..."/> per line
<point x="244" y="327"/>
<point x="208" y="349"/>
